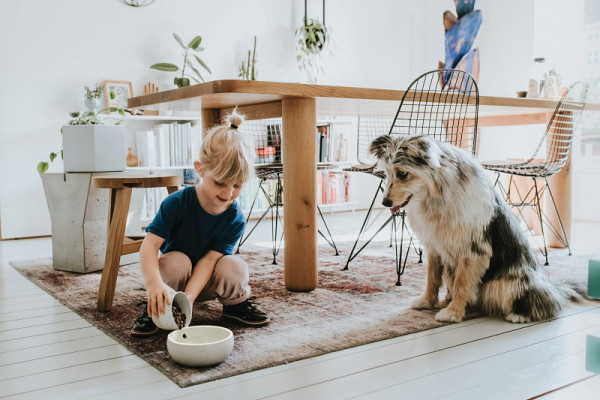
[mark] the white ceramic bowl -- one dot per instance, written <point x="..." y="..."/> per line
<point x="200" y="346"/>
<point x="165" y="321"/>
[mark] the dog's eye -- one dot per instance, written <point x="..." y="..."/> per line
<point x="401" y="174"/>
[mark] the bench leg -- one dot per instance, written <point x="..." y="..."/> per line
<point x="118" y="210"/>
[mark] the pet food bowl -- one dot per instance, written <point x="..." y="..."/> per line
<point x="166" y="321"/>
<point x="200" y="346"/>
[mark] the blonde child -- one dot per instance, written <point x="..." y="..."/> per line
<point x="189" y="244"/>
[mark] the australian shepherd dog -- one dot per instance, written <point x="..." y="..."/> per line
<point x="472" y="239"/>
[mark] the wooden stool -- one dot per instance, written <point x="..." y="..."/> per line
<point x="117" y="244"/>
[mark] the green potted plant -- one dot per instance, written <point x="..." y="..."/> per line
<point x="312" y="38"/>
<point x="190" y="58"/>
<point x="248" y="67"/>
<point x="93" y="98"/>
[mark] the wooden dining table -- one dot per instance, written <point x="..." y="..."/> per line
<point x="298" y="105"/>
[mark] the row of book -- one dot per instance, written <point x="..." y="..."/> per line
<point x="168" y="145"/>
<point x="155" y="196"/>
<point x="332" y="142"/>
<point x="333" y="187"/>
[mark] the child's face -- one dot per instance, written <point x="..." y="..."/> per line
<point x="219" y="194"/>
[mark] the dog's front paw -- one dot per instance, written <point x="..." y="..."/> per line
<point x="448" y="315"/>
<point x="517" y="318"/>
<point x="422" y="303"/>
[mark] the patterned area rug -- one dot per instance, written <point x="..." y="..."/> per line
<point x="349" y="308"/>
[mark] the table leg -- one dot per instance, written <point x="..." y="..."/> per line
<point x="299" y="193"/>
<point x="118" y="210"/>
<point x="560" y="184"/>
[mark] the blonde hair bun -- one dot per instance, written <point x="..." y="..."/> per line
<point x="235" y="119"/>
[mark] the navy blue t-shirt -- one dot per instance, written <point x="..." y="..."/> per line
<point x="186" y="227"/>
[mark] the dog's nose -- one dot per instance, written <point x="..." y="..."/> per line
<point x="387" y="202"/>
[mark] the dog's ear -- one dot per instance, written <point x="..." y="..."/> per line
<point x="381" y="145"/>
<point x="435" y="154"/>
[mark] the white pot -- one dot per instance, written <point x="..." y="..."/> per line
<point x="78" y="216"/>
<point x="94" y="148"/>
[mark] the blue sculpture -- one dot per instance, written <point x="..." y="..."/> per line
<point x="460" y="35"/>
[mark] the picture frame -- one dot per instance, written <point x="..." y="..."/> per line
<point x="123" y="90"/>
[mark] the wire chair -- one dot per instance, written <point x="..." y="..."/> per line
<point x="441" y="103"/>
<point x="269" y="171"/>
<point x="555" y="143"/>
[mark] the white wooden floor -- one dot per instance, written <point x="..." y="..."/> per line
<point x="47" y="351"/>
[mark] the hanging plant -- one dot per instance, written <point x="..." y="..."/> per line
<point x="312" y="38"/>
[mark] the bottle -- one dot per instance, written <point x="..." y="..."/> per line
<point x="131" y="159"/>
<point x="538" y="78"/>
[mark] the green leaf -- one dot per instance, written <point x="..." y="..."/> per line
<point x="53" y="156"/>
<point x="196" y="72"/>
<point x="165" y="67"/>
<point x="195" y="42"/>
<point x="112" y="95"/>
<point x="203" y="64"/>
<point x="176" y="36"/>
<point x="74" y="114"/>
<point x="42" y="167"/>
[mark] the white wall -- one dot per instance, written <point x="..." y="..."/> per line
<point x="52" y="49"/>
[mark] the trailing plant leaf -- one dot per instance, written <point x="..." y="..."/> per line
<point x="165" y="67"/>
<point x="42" y="167"/>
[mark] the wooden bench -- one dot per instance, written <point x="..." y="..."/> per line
<point x="117" y="244"/>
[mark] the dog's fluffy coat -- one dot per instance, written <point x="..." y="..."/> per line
<point x="472" y="239"/>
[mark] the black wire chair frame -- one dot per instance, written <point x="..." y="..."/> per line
<point x="269" y="167"/>
<point x="441" y="103"/>
<point x="556" y="141"/>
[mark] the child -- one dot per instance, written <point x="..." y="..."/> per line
<point x="196" y="229"/>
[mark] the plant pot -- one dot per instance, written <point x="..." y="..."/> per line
<point x="93" y="104"/>
<point x="94" y="148"/>
<point x="78" y="216"/>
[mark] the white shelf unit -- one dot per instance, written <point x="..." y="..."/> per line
<point x="150" y="199"/>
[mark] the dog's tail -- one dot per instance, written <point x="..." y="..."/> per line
<point x="572" y="289"/>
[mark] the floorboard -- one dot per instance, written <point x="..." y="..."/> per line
<point x="47" y="351"/>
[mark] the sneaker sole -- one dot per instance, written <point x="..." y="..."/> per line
<point x="258" y="323"/>
<point x="142" y="334"/>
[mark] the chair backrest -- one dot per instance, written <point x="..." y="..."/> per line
<point x="370" y="128"/>
<point x="441" y="103"/>
<point x="267" y="137"/>
<point x="560" y="130"/>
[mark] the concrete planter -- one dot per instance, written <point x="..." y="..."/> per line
<point x="79" y="219"/>
<point x="94" y="148"/>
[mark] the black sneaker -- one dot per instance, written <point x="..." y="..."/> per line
<point x="246" y="312"/>
<point x="143" y="325"/>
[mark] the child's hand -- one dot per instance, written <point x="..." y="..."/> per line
<point x="158" y="295"/>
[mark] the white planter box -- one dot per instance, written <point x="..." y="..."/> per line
<point x="94" y="148"/>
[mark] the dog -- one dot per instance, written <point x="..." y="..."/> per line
<point x="472" y="239"/>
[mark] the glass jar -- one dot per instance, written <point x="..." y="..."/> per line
<point x="538" y="78"/>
